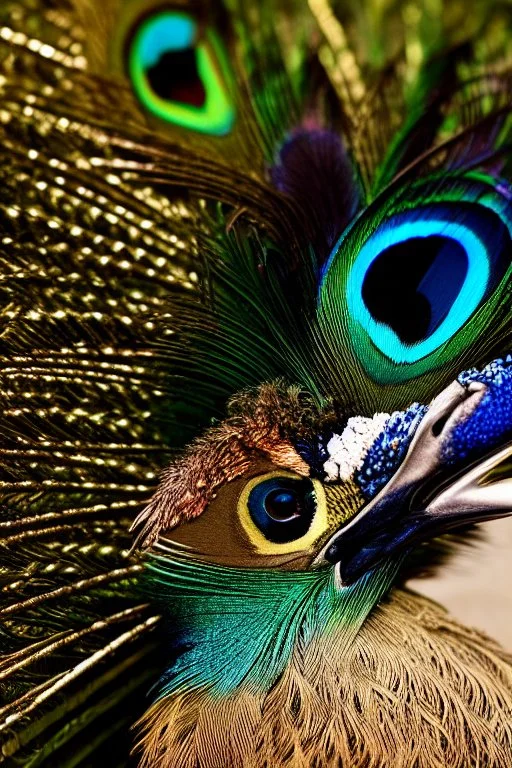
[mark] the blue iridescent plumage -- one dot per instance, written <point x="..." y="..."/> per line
<point x="246" y="250"/>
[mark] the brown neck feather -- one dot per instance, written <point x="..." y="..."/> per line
<point x="415" y="690"/>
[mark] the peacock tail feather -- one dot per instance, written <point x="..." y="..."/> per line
<point x="156" y="259"/>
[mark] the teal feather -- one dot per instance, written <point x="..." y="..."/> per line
<point x="150" y="272"/>
<point x="239" y="626"/>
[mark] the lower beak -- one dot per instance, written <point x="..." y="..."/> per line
<point x="457" y="471"/>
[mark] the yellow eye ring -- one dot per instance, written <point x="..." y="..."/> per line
<point x="315" y="526"/>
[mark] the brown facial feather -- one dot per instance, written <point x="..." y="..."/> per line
<point x="259" y="427"/>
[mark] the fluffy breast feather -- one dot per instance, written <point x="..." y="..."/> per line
<point x="414" y="690"/>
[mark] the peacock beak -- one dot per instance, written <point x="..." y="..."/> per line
<point x="457" y="471"/>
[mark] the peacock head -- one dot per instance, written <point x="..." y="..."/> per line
<point x="285" y="483"/>
<point x="290" y="519"/>
<point x="344" y="479"/>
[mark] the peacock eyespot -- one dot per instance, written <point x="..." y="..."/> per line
<point x="412" y="285"/>
<point x="422" y="274"/>
<point x="420" y="277"/>
<point x="179" y="72"/>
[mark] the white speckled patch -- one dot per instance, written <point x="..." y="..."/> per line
<point x="348" y="450"/>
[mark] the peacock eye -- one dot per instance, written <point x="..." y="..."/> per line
<point x="413" y="296"/>
<point x="421" y="276"/>
<point x="282" y="508"/>
<point x="415" y="283"/>
<point x="179" y="72"/>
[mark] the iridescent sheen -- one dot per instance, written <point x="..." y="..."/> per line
<point x="168" y="32"/>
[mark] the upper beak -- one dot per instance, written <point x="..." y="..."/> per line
<point x="430" y="493"/>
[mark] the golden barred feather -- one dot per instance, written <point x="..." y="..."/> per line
<point x="106" y="236"/>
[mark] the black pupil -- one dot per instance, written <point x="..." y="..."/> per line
<point x="175" y="78"/>
<point x="411" y="286"/>
<point x="282" y="505"/>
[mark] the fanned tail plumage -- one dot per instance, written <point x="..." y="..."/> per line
<point x="134" y="265"/>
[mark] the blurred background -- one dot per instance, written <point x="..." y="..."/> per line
<point x="476" y="585"/>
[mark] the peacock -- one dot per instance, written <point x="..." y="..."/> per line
<point x="255" y="373"/>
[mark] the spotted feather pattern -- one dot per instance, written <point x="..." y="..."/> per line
<point x="114" y="236"/>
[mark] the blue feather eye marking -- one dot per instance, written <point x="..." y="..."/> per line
<point x="418" y="277"/>
<point x="282" y="508"/>
<point x="179" y="73"/>
<point x="421" y="275"/>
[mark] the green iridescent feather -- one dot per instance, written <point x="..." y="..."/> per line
<point x="236" y="628"/>
<point x="137" y="261"/>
